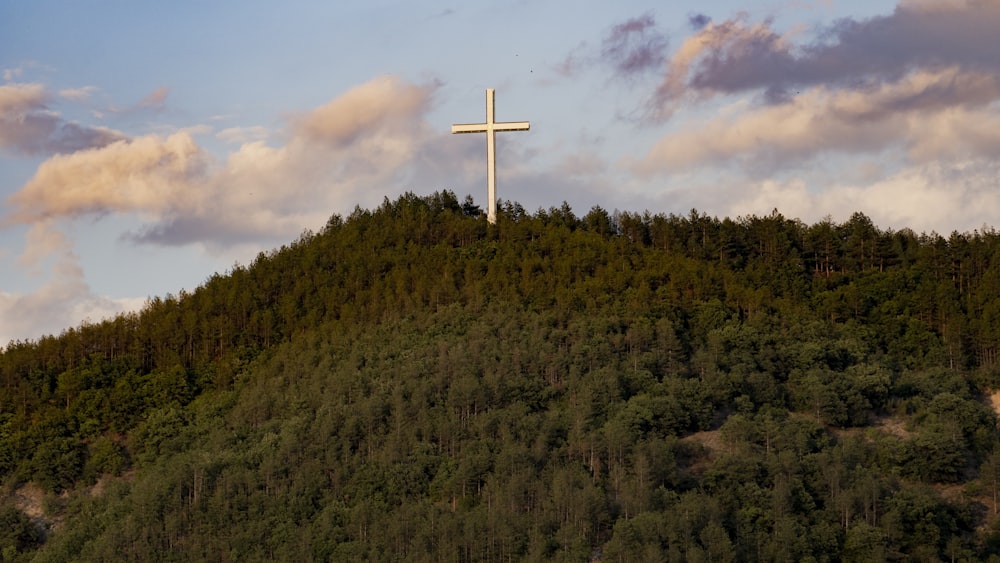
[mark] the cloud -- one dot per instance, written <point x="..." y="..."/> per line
<point x="735" y="56"/>
<point x="42" y="241"/>
<point x="28" y="127"/>
<point x="634" y="46"/>
<point x="64" y="300"/>
<point x="930" y="115"/>
<point x="155" y="100"/>
<point x="711" y="47"/>
<point x="573" y="63"/>
<point x="929" y="197"/>
<point x="146" y="174"/>
<point x="9" y="74"/>
<point x="78" y="94"/>
<point x="698" y="21"/>
<point x="354" y="149"/>
<point x="363" y="145"/>
<point x="18" y="99"/>
<point x="385" y="104"/>
<point x="774" y="121"/>
<point x="240" y="135"/>
<point x="918" y="86"/>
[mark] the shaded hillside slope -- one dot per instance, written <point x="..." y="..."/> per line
<point x="410" y="383"/>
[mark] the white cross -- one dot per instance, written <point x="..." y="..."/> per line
<point x="490" y="128"/>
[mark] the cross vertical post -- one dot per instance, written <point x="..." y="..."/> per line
<point x="490" y="128"/>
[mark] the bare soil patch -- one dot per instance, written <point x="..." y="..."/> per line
<point x="893" y="426"/>
<point x="708" y="438"/>
<point x="30" y="499"/>
<point x="995" y="401"/>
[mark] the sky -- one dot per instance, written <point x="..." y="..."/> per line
<point x="145" y="146"/>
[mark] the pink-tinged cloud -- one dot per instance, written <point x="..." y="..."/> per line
<point x="574" y="62"/>
<point x="155" y="100"/>
<point x="18" y="99"/>
<point x="384" y="104"/>
<point x="40" y="242"/>
<point x="685" y="68"/>
<point x="78" y="94"/>
<point x="634" y="46"/>
<point x="28" y="127"/>
<point x="922" y="114"/>
<point x="146" y="174"/>
<point x="735" y="56"/>
<point x="354" y="149"/>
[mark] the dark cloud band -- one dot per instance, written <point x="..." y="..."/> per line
<point x="737" y="57"/>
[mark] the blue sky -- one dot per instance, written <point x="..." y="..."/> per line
<point x="145" y="146"/>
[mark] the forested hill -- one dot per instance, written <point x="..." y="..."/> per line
<point x="411" y="383"/>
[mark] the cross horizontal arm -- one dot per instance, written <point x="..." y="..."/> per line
<point x="512" y="126"/>
<point x="469" y="128"/>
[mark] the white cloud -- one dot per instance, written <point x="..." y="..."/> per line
<point x="240" y="135"/>
<point x="78" y="94"/>
<point x="932" y="6"/>
<point x="925" y="198"/>
<point x="10" y="74"/>
<point x="57" y="305"/>
<point x="64" y="300"/>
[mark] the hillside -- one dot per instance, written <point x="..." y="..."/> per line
<point x="411" y="383"/>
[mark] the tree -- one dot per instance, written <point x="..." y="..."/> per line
<point x="989" y="475"/>
<point x="18" y="534"/>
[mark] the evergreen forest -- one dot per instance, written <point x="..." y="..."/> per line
<point x="411" y="383"/>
